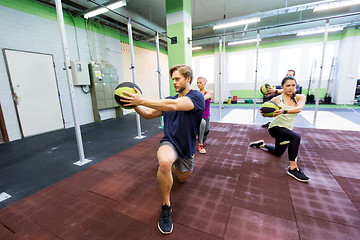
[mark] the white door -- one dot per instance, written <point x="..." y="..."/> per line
<point x="35" y="92"/>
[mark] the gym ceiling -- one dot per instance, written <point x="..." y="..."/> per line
<point x="280" y="19"/>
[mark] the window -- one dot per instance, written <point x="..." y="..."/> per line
<point x="316" y="55"/>
<point x="289" y="59"/>
<point x="264" y="66"/>
<point x="203" y="67"/>
<point x="237" y="67"/>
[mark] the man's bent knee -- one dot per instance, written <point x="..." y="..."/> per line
<point x="165" y="166"/>
<point x="182" y="176"/>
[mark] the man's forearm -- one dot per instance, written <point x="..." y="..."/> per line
<point x="148" y="113"/>
<point x="159" y="104"/>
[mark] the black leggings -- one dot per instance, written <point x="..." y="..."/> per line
<point x="282" y="134"/>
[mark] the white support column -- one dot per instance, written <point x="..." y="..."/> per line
<point x="256" y="73"/>
<point x="158" y="64"/>
<point x="321" y="70"/>
<point x="220" y="78"/>
<point x="60" y="17"/>
<point x="139" y="136"/>
<point x="159" y="74"/>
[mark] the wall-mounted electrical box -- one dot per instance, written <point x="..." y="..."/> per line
<point x="104" y="80"/>
<point x="80" y="73"/>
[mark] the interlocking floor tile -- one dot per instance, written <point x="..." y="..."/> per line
<point x="351" y="187"/>
<point x="314" y="228"/>
<point x="259" y="156"/>
<point x="118" y="186"/>
<point x="116" y="226"/>
<point x="145" y="166"/>
<point x="246" y="224"/>
<point x="216" y="183"/>
<point x="48" y="197"/>
<point x="218" y="127"/>
<point x="113" y="164"/>
<point x="18" y="225"/>
<point x="310" y="162"/>
<point x="80" y="182"/>
<point x="262" y="198"/>
<point x="322" y="137"/>
<point x="6" y="233"/>
<point x="357" y="205"/>
<point x="199" y="161"/>
<point x="234" y="192"/>
<point x="203" y="211"/>
<point x="344" y="169"/>
<point x="144" y="204"/>
<point x="73" y="219"/>
<point x="35" y="232"/>
<point x="226" y="166"/>
<point x="275" y="175"/>
<point x="324" y="204"/>
<point x="319" y="178"/>
<point x="181" y="232"/>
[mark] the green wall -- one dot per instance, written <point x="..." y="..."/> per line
<point x="249" y="94"/>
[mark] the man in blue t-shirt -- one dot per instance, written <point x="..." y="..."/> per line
<point x="182" y="117"/>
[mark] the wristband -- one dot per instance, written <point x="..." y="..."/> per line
<point x="285" y="112"/>
<point x="276" y="91"/>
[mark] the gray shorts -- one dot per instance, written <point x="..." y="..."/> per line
<point x="181" y="164"/>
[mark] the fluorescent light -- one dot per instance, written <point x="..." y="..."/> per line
<point x="336" y="5"/>
<point x="197" y="48"/>
<point x="232" y="24"/>
<point x="244" y="41"/>
<point x="319" y="30"/>
<point x="102" y="10"/>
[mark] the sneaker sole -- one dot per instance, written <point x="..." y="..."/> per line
<point x="166" y="233"/>
<point x="301" y="180"/>
<point x="257" y="142"/>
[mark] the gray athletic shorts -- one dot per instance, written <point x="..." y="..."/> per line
<point x="181" y="164"/>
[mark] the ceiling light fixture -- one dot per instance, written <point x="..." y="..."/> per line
<point x="336" y="5"/>
<point x="243" y="41"/>
<point x="197" y="48"/>
<point x="318" y="30"/>
<point x="237" y="23"/>
<point x="102" y="10"/>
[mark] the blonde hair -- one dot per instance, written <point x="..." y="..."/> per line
<point x="203" y="78"/>
<point x="184" y="70"/>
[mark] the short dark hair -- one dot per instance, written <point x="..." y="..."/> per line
<point x="290" y="70"/>
<point x="287" y="78"/>
<point x="184" y="70"/>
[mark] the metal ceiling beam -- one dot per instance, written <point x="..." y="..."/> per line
<point x="279" y="25"/>
<point x="78" y="10"/>
<point x="270" y="13"/>
<point x="119" y="14"/>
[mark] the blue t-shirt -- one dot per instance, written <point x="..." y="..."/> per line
<point x="182" y="127"/>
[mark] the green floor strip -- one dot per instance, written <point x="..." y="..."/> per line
<point x="250" y="105"/>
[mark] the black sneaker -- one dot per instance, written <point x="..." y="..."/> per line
<point x="298" y="174"/>
<point x="266" y="125"/>
<point x="257" y="144"/>
<point x="165" y="224"/>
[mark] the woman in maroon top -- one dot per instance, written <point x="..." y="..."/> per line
<point x="205" y="122"/>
